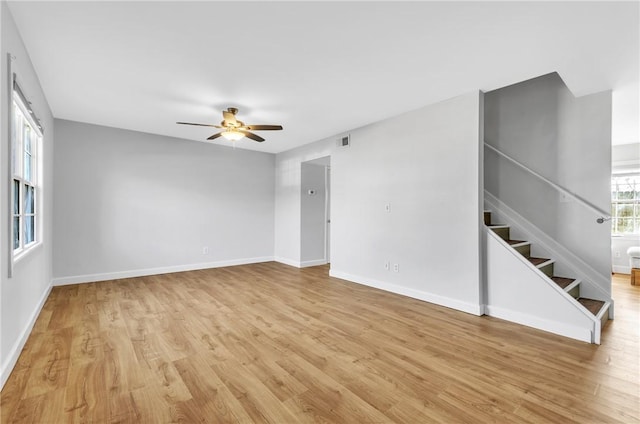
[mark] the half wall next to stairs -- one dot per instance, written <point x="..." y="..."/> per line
<point x="527" y="284"/>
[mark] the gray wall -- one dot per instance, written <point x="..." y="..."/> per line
<point x="567" y="140"/>
<point x="425" y="164"/>
<point x="312" y="214"/>
<point x="130" y="202"/>
<point x="22" y="295"/>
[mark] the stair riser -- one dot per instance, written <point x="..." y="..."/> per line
<point x="502" y="232"/>
<point x="575" y="292"/>
<point x="604" y="319"/>
<point x="547" y="270"/>
<point x="524" y="250"/>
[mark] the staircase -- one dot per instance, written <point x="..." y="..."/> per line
<point x="597" y="309"/>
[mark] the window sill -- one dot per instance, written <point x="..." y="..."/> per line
<point x="17" y="257"/>
<point x="625" y="236"/>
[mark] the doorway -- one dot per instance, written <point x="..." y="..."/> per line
<point x="315" y="212"/>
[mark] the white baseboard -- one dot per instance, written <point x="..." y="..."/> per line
<point x="316" y="262"/>
<point x="303" y="264"/>
<point x="448" y="302"/>
<point x="621" y="269"/>
<point x="77" y="279"/>
<point x="14" y="353"/>
<point x="573" y="332"/>
<point x="287" y="261"/>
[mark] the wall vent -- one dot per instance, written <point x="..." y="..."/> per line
<point x="344" y="141"/>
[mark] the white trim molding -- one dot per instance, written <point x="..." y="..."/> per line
<point x="78" y="279"/>
<point x="470" y="308"/>
<point x="621" y="269"/>
<point x="303" y="264"/>
<point x="288" y="261"/>
<point x="570" y="331"/>
<point x="316" y="262"/>
<point x="16" y="349"/>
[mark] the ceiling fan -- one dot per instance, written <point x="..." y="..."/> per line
<point x="235" y="129"/>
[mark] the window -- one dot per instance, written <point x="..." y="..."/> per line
<point x="625" y="204"/>
<point x="26" y="141"/>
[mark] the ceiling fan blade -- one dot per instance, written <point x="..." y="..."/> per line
<point x="200" y="125"/>
<point x="229" y="118"/>
<point x="251" y="135"/>
<point x="213" y="137"/>
<point x="263" y="127"/>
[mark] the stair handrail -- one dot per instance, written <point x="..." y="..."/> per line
<point x="604" y="215"/>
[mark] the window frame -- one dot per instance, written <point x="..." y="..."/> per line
<point x="25" y="155"/>
<point x="634" y="202"/>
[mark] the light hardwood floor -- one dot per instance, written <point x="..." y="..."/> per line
<point x="272" y="343"/>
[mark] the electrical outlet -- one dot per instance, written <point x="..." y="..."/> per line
<point x="387" y="207"/>
<point x="617" y="254"/>
<point x="386" y="265"/>
<point x="396" y="268"/>
<point x="205" y="250"/>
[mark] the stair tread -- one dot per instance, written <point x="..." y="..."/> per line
<point x="538" y="261"/>
<point x="592" y="305"/>
<point x="563" y="282"/>
<point x="516" y="241"/>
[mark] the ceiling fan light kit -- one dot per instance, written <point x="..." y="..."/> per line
<point x="234" y="129"/>
<point x="232" y="135"/>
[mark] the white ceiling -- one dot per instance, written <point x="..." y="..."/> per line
<point x="319" y="69"/>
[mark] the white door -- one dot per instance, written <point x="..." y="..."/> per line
<point x="327" y="203"/>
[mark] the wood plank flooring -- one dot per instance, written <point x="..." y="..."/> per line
<point x="272" y="343"/>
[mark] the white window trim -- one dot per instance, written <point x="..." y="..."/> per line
<point x="17" y="98"/>
<point x="625" y="236"/>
